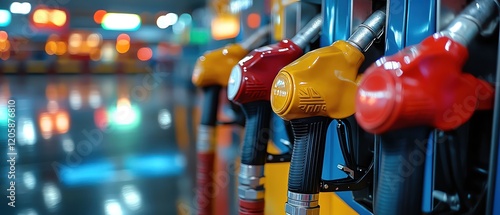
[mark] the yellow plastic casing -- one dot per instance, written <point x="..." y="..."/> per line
<point x="323" y="82"/>
<point x="214" y="67"/>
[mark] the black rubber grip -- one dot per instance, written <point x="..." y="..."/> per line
<point x="307" y="157"/>
<point x="209" y="105"/>
<point x="402" y="163"/>
<point x="257" y="129"/>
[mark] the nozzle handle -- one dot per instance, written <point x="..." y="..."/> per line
<point x="257" y="129"/>
<point x="307" y="156"/>
<point x="308" y="32"/>
<point x="400" y="182"/>
<point x="210" y="104"/>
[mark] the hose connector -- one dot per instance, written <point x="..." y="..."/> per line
<point x="471" y="21"/>
<point x="366" y="33"/>
<point x="302" y="204"/>
<point x="251" y="180"/>
<point x="257" y="39"/>
<point x="308" y="32"/>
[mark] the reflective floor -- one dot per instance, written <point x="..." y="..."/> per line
<point x="103" y="144"/>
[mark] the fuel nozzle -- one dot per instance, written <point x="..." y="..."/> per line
<point x="404" y="96"/>
<point x="210" y="74"/>
<point x="424" y="84"/>
<point x="250" y="85"/>
<point x="310" y="92"/>
<point x="214" y="67"/>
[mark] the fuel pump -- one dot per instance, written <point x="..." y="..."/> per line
<point x="310" y="92"/>
<point x="249" y="85"/>
<point x="404" y="96"/>
<point x="210" y="74"/>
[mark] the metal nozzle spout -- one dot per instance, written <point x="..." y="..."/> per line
<point x="471" y="20"/>
<point x="308" y="32"/>
<point x="257" y="39"/>
<point x="371" y="29"/>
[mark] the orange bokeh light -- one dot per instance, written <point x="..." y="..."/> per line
<point x="123" y="37"/>
<point x="46" y="124"/>
<point x="98" y="15"/>
<point x="253" y="20"/>
<point x="225" y="27"/>
<point x="144" y="54"/>
<point x="122" y="43"/>
<point x="3" y="36"/>
<point x="62" y="122"/>
<point x="49" y="18"/>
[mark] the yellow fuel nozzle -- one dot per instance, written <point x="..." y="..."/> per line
<point x="214" y="67"/>
<point x="323" y="82"/>
<point x="320" y="83"/>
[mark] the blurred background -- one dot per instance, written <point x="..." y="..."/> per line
<point x="105" y="107"/>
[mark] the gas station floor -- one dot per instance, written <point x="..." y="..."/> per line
<point x="102" y="144"/>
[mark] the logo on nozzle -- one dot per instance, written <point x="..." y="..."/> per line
<point x="310" y="101"/>
<point x="280" y="93"/>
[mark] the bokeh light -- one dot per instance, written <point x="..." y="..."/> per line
<point x="62" y="122"/>
<point x="58" y="17"/>
<point x="46" y="125"/>
<point x="5" y="18"/>
<point x="51" y="47"/>
<point x="123" y="43"/>
<point x="253" y="20"/>
<point x="61" y="48"/>
<point x="225" y="27"/>
<point x="94" y="40"/>
<point x="4" y="46"/>
<point x="20" y="8"/>
<point x="41" y="16"/>
<point x="144" y="54"/>
<point x="3" y="36"/>
<point x="167" y="20"/>
<point x="121" y="21"/>
<point x="99" y="15"/>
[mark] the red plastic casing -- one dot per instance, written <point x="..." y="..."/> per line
<point x="422" y="85"/>
<point x="260" y="67"/>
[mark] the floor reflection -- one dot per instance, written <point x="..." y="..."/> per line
<point x="102" y="144"/>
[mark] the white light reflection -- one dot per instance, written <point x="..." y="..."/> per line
<point x="75" y="99"/>
<point x="108" y="52"/>
<point x="27" y="136"/>
<point x="68" y="145"/>
<point x="370" y="97"/>
<point x="240" y="5"/>
<point x="124" y="114"/>
<point x="95" y="100"/>
<point x="132" y="197"/>
<point x="164" y="119"/>
<point x="20" y="8"/>
<point x="391" y="65"/>
<point x="113" y="207"/>
<point x="51" y="195"/>
<point x="29" y="180"/>
<point x="29" y="211"/>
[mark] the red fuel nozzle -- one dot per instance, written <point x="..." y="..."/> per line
<point x="421" y="85"/>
